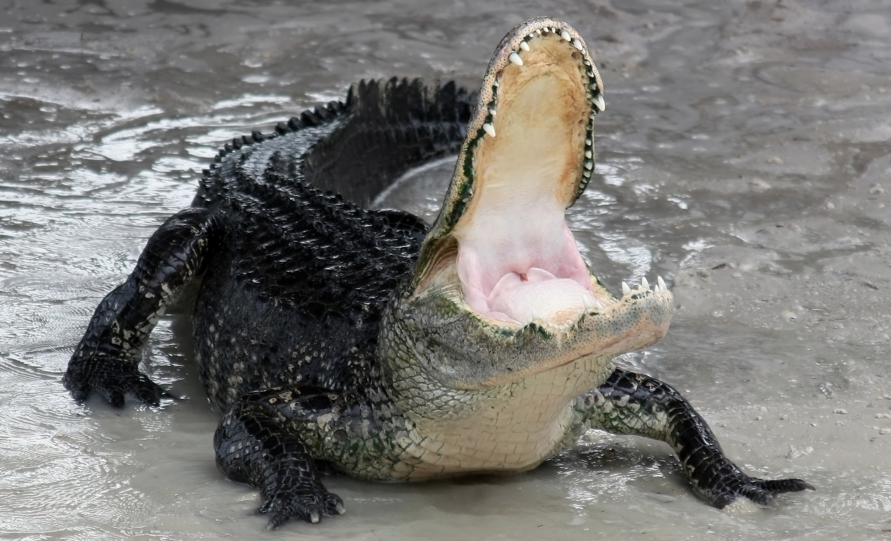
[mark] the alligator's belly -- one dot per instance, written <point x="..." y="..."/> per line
<point x="517" y="428"/>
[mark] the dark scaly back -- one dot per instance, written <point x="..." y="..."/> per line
<point x="298" y="241"/>
<point x="322" y="264"/>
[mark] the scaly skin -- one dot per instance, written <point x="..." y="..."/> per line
<point x="369" y="342"/>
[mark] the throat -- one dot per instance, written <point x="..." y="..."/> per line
<point x="524" y="271"/>
<point x="539" y="295"/>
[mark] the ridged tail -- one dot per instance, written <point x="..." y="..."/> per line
<point x="355" y="148"/>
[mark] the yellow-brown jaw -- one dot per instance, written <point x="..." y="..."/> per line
<point x="500" y="291"/>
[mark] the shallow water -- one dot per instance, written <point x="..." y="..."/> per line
<point x="743" y="155"/>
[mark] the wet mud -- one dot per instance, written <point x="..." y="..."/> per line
<point x="744" y="156"/>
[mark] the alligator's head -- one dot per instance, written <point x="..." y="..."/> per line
<point x="500" y="291"/>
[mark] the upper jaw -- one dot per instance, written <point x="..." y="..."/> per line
<point x="528" y="155"/>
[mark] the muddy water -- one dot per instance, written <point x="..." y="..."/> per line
<point x="743" y="155"/>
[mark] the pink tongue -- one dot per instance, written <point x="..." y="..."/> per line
<point x="538" y="294"/>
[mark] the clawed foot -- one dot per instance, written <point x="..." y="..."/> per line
<point x="112" y="380"/>
<point x="310" y="505"/>
<point x="760" y="491"/>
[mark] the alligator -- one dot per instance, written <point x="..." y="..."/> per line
<point x="334" y="337"/>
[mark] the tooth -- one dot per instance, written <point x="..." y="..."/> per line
<point x="588" y="142"/>
<point x="599" y="103"/>
<point x="538" y="32"/>
<point x="589" y="165"/>
<point x="657" y="290"/>
<point x="661" y="283"/>
<point x="586" y="302"/>
<point x="515" y="58"/>
<point x="565" y="35"/>
<point x="524" y="46"/>
<point x="625" y="289"/>
<point x="586" y="173"/>
<point x="588" y="154"/>
<point x="577" y="44"/>
<point x="530" y="37"/>
<point x="644" y="283"/>
<point x="492" y="111"/>
<point x="490" y="129"/>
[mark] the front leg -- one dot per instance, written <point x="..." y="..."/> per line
<point x="106" y="361"/>
<point x="635" y="404"/>
<point x="257" y="443"/>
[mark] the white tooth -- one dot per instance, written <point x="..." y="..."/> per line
<point x="577" y="44"/>
<point x="644" y="283"/>
<point x="530" y="37"/>
<point x="661" y="283"/>
<point x="515" y="58"/>
<point x="657" y="290"/>
<point x="492" y="111"/>
<point x="524" y="46"/>
<point x="490" y="129"/>
<point x="565" y="35"/>
<point x="589" y="165"/>
<point x="625" y="289"/>
<point x="537" y="32"/>
<point x="587" y="303"/>
<point x="586" y="173"/>
<point x="598" y="101"/>
<point x="588" y="154"/>
<point x="588" y="142"/>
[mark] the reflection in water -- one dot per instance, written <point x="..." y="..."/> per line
<point x="744" y="152"/>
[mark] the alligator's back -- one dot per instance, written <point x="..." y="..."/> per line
<point x="297" y="290"/>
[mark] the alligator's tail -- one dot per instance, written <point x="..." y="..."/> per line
<point x="394" y="125"/>
<point x="355" y="148"/>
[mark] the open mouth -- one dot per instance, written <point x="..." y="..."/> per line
<point x="517" y="260"/>
<point x="500" y="246"/>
